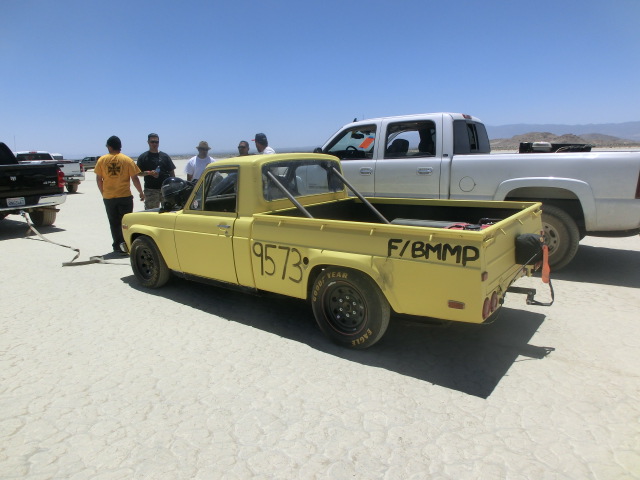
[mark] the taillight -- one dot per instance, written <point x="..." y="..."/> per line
<point x="494" y="302"/>
<point x="638" y="187"/>
<point x="81" y="168"/>
<point x="60" y="179"/>
<point x="490" y="305"/>
<point x="486" y="309"/>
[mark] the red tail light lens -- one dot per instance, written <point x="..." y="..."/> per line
<point x="494" y="302"/>
<point x="486" y="308"/>
<point x="81" y="168"/>
<point x="60" y="179"/>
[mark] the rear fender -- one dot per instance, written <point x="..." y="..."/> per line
<point x="565" y="187"/>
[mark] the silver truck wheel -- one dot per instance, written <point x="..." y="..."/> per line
<point x="349" y="307"/>
<point x="43" y="218"/>
<point x="147" y="263"/>
<point x="561" y="235"/>
<point x="72" y="187"/>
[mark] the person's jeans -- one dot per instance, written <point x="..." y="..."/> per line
<point x="116" y="209"/>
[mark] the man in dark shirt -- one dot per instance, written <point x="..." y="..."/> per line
<point x="156" y="167"/>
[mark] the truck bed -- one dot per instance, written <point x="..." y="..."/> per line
<point x="426" y="213"/>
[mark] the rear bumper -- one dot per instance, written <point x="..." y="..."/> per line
<point x="74" y="179"/>
<point x="44" y="201"/>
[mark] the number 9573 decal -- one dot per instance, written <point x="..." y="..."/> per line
<point x="285" y="262"/>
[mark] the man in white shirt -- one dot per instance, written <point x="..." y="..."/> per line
<point x="262" y="145"/>
<point x="196" y="165"/>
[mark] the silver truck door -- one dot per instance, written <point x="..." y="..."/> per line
<point x="356" y="148"/>
<point x="409" y="158"/>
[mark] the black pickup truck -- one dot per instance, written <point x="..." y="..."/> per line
<point x="36" y="189"/>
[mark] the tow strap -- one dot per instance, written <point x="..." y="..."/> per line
<point x="72" y="263"/>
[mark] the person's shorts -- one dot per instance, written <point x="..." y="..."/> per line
<point x="152" y="198"/>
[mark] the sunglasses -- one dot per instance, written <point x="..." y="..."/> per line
<point x="242" y="146"/>
<point x="154" y="141"/>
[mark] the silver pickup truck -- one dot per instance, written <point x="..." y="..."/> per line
<point x="72" y="169"/>
<point x="448" y="156"/>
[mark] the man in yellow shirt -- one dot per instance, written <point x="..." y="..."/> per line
<point x="113" y="172"/>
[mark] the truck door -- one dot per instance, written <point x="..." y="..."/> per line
<point x="409" y="158"/>
<point x="356" y="147"/>
<point x="204" y="231"/>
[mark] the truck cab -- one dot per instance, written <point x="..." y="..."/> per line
<point x="403" y="156"/>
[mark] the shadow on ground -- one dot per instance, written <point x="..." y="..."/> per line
<point x="11" y="229"/>
<point x="465" y="357"/>
<point x="603" y="266"/>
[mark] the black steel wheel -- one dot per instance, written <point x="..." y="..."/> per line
<point x="349" y="307"/>
<point x="147" y="263"/>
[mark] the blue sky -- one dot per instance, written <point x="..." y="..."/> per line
<point x="77" y="71"/>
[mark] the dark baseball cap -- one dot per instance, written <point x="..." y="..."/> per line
<point x="260" y="138"/>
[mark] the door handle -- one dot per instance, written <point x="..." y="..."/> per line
<point x="224" y="227"/>
<point x="366" y="171"/>
<point x="425" y="170"/>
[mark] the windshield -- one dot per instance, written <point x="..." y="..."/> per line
<point x="355" y="143"/>
<point x="299" y="178"/>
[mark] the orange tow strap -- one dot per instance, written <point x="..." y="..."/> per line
<point x="546" y="271"/>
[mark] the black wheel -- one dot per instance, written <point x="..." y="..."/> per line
<point x="561" y="235"/>
<point x="43" y="218"/>
<point x="147" y="263"/>
<point x="349" y="307"/>
<point x="72" y="187"/>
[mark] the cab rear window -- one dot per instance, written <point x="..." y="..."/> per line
<point x="34" y="156"/>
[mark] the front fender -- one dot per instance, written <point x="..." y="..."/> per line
<point x="157" y="226"/>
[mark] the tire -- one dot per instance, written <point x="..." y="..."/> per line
<point x="72" y="187"/>
<point x="147" y="263"/>
<point x="561" y="235"/>
<point x="336" y="288"/>
<point x="43" y="218"/>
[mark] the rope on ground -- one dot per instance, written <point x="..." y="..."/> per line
<point x="72" y="263"/>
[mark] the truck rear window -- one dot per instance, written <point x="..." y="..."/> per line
<point x="470" y="137"/>
<point x="299" y="178"/>
<point x="34" y="156"/>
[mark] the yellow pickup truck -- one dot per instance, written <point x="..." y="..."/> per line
<point x="286" y="224"/>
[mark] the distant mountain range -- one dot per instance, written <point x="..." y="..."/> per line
<point x="507" y="137"/>
<point x="627" y="130"/>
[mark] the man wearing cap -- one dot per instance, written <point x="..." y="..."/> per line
<point x="196" y="165"/>
<point x="113" y="173"/>
<point x="262" y="144"/>
<point x="156" y="167"/>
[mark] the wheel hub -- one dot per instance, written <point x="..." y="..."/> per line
<point x="347" y="309"/>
